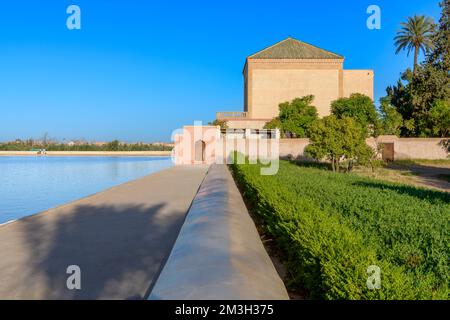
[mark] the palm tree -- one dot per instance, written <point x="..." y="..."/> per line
<point x="416" y="35"/>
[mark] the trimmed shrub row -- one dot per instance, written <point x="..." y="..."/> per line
<point x="332" y="227"/>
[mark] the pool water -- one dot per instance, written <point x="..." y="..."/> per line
<point x="29" y="185"/>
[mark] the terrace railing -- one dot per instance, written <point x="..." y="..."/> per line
<point x="231" y="115"/>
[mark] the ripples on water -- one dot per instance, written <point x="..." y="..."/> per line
<point x="33" y="184"/>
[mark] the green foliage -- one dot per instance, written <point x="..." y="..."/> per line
<point x="275" y="123"/>
<point x="332" y="227"/>
<point x="361" y="108"/>
<point x="113" y="145"/>
<point x="415" y="35"/>
<point x="428" y="86"/>
<point x="221" y="123"/>
<point x="27" y="145"/>
<point x="297" y="116"/>
<point x="399" y="96"/>
<point x="439" y="57"/>
<point x="431" y="82"/>
<point x="391" y="119"/>
<point x="409" y="125"/>
<point x="440" y="118"/>
<point x="338" y="139"/>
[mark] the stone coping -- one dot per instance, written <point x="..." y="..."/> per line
<point x="218" y="253"/>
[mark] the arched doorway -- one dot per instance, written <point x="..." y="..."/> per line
<point x="200" y="151"/>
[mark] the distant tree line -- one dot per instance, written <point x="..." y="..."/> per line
<point x="115" y="145"/>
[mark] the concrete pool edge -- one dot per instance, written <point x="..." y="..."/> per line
<point x="88" y="153"/>
<point x="218" y="254"/>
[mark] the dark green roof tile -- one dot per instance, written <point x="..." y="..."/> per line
<point x="291" y="48"/>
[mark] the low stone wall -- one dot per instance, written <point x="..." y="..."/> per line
<point x="218" y="253"/>
<point x="417" y="148"/>
<point x="404" y="148"/>
<point x="293" y="148"/>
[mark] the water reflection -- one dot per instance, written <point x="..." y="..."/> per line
<point x="32" y="184"/>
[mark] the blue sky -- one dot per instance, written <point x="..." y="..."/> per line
<point x="139" y="69"/>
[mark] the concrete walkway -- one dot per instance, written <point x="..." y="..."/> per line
<point x="120" y="238"/>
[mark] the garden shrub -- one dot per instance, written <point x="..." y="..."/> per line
<point x="332" y="227"/>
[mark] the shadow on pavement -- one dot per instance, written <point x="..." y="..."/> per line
<point x="120" y="250"/>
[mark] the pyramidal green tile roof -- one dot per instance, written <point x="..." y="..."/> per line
<point x="291" y="48"/>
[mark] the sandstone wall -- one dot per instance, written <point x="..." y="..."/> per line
<point x="404" y="148"/>
<point x="358" y="81"/>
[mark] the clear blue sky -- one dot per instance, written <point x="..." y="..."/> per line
<point x="139" y="69"/>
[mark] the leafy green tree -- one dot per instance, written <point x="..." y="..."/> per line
<point x="297" y="116"/>
<point x="431" y="82"/>
<point x="391" y="120"/>
<point x="409" y="125"/>
<point x="415" y="35"/>
<point x="337" y="140"/>
<point x="400" y="95"/>
<point x="440" y="118"/>
<point x="361" y="108"/>
<point x="439" y="57"/>
<point x="275" y="123"/>
<point x="113" y="146"/>
<point x="221" y="123"/>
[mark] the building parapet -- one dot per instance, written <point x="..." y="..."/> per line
<point x="231" y="115"/>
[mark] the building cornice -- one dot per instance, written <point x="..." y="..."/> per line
<point x="295" y="61"/>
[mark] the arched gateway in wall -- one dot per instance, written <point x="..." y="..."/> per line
<point x="200" y="146"/>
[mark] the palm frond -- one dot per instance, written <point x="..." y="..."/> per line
<point x="415" y="34"/>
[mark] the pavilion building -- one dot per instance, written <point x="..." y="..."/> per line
<point x="291" y="69"/>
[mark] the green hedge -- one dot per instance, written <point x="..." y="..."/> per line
<point x="333" y="226"/>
